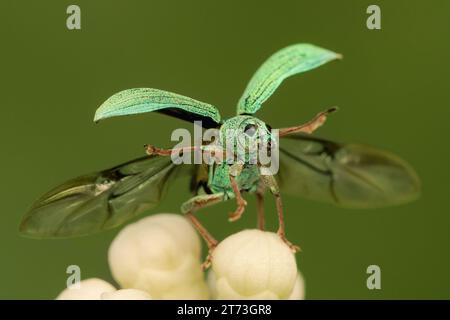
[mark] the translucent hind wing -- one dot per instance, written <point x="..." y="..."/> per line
<point x="348" y="175"/>
<point x="101" y="200"/>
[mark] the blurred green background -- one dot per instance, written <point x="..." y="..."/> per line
<point x="392" y="88"/>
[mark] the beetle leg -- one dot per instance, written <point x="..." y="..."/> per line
<point x="235" y="170"/>
<point x="271" y="183"/>
<point x="216" y="152"/>
<point x="260" y="205"/>
<point x="150" y="150"/>
<point x="190" y="207"/>
<point x="310" y="126"/>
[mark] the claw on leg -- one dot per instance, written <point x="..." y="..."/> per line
<point x="294" y="248"/>
<point x="151" y="150"/>
<point x="236" y="215"/>
<point x="208" y="260"/>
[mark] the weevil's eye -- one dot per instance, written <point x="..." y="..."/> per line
<point x="250" y="130"/>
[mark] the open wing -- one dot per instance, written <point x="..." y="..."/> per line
<point x="281" y="65"/>
<point x="141" y="100"/>
<point x="348" y="175"/>
<point x="101" y="200"/>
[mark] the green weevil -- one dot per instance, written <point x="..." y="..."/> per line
<point x="349" y="175"/>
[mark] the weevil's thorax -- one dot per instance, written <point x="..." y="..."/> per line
<point x="242" y="136"/>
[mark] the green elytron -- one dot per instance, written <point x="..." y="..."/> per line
<point x="348" y="175"/>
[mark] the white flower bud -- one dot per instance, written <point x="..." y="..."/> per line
<point x="254" y="264"/>
<point x="89" y="289"/>
<point x="126" y="294"/>
<point x="159" y="254"/>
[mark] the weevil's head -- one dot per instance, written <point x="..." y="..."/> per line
<point x="245" y="136"/>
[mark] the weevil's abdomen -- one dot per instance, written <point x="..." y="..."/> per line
<point x="219" y="179"/>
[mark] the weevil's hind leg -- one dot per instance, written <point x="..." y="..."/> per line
<point x="190" y="207"/>
<point x="260" y="205"/>
<point x="271" y="183"/>
<point x="310" y="126"/>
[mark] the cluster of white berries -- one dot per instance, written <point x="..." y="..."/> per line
<point x="159" y="257"/>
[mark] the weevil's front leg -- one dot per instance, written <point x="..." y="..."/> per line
<point x="271" y="183"/>
<point x="190" y="207"/>
<point x="260" y="205"/>
<point x="216" y="152"/>
<point x="310" y="126"/>
<point x="235" y="170"/>
<point x="151" y="150"/>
